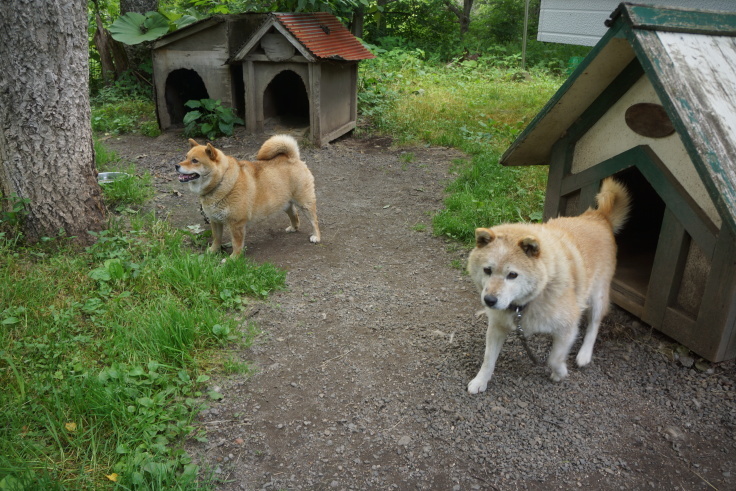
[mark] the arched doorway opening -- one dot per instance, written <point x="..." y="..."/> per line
<point x="285" y="100"/>
<point x="182" y="85"/>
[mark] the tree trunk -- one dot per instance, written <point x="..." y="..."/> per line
<point x="463" y="16"/>
<point x="358" y="21"/>
<point x="140" y="6"/>
<point x="46" y="151"/>
<point x="113" y="58"/>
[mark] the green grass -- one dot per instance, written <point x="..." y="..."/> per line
<point x="121" y="194"/>
<point x="125" y="117"/>
<point x="105" y="354"/>
<point x="477" y="108"/>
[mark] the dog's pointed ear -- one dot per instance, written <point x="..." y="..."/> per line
<point x="193" y="143"/>
<point x="483" y="237"/>
<point x="530" y="246"/>
<point x="211" y="152"/>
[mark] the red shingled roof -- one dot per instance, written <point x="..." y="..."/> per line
<point x="324" y="36"/>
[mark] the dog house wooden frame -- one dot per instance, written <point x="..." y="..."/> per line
<point x="299" y="68"/>
<point x="654" y="104"/>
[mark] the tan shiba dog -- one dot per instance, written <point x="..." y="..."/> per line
<point x="542" y="277"/>
<point x="234" y="192"/>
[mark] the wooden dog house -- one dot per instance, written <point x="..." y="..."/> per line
<point x="302" y="66"/>
<point x="299" y="69"/>
<point x="654" y="104"/>
<point x="191" y="64"/>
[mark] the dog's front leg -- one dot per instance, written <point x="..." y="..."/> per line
<point x="237" y="233"/>
<point x="562" y="342"/>
<point x="216" y="237"/>
<point x="495" y="337"/>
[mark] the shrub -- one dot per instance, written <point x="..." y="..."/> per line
<point x="209" y="119"/>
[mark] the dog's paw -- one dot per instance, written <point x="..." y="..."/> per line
<point x="314" y="239"/>
<point x="583" y="358"/>
<point x="290" y="229"/>
<point x="559" y="374"/>
<point x="477" y="385"/>
<point x="480" y="313"/>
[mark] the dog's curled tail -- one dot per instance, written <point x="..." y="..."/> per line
<point x="614" y="202"/>
<point x="277" y="145"/>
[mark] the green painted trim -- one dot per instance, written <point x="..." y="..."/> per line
<point x="717" y="316"/>
<point x="615" y="90"/>
<point x="645" y="46"/>
<point x="560" y="165"/>
<point x="667" y="269"/>
<point x="695" y="221"/>
<point x="676" y="20"/>
<point x="610" y="34"/>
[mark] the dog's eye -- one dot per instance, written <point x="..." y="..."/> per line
<point x="512" y="275"/>
<point x="194" y="161"/>
<point x="487" y="270"/>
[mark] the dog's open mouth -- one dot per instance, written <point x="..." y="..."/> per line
<point x="188" y="177"/>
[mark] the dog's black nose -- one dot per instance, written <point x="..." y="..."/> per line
<point x="177" y="166"/>
<point x="490" y="300"/>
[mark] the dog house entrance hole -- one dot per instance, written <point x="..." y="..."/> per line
<point x="285" y="100"/>
<point x="637" y="241"/>
<point x="181" y="86"/>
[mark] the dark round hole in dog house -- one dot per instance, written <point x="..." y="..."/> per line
<point x="285" y="100"/>
<point x="637" y="241"/>
<point x="183" y="85"/>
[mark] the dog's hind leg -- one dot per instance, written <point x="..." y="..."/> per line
<point x="495" y="337"/>
<point x="597" y="309"/>
<point x="293" y="218"/>
<point x="311" y="209"/>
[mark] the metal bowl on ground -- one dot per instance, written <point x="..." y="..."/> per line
<point x="108" y="177"/>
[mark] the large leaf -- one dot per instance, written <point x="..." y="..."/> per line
<point x="134" y="28"/>
<point x="191" y="116"/>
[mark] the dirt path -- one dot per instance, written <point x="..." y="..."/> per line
<point x="363" y="361"/>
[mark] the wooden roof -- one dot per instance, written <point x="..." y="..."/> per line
<point x="690" y="59"/>
<point x="316" y="35"/>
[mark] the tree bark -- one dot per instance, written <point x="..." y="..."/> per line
<point x="46" y="150"/>
<point x="113" y="58"/>
<point x="463" y="16"/>
<point x="140" y="6"/>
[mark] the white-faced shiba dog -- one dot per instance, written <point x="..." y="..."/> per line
<point x="549" y="273"/>
<point x="234" y="192"/>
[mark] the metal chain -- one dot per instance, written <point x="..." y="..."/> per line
<point x="520" y="332"/>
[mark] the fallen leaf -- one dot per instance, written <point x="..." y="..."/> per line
<point x="70" y="426"/>
<point x="113" y="477"/>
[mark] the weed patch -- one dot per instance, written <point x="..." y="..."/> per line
<point x="102" y="355"/>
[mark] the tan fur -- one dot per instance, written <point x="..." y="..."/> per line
<point x="555" y="272"/>
<point x="234" y="192"/>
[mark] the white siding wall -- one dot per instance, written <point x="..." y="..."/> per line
<point x="581" y="21"/>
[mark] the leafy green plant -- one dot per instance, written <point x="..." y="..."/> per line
<point x="135" y="28"/>
<point x="103" y="349"/>
<point x="209" y="118"/>
<point x="12" y="214"/>
<point x="123" y="117"/>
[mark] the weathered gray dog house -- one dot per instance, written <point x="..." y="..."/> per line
<point x="302" y="68"/>
<point x="654" y="104"/>
<point x="299" y="69"/>
<point x="191" y="64"/>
